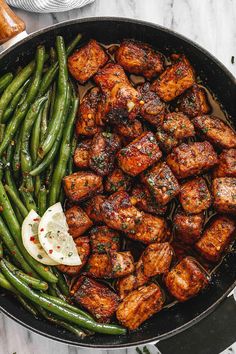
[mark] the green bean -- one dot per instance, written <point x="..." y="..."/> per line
<point x="55" y="291"/>
<point x="61" y="282"/>
<point x="35" y="137"/>
<point x="42" y="200"/>
<point x="48" y="174"/>
<point x="18" y="215"/>
<point x="2" y="131"/>
<point x="1" y="250"/>
<point x="16" y="156"/>
<point x="14" y="86"/>
<point x="16" y="200"/>
<point x="8" y="172"/>
<point x="4" y="283"/>
<point x="53" y="96"/>
<point x="27" y="305"/>
<point x="28" y="199"/>
<point x="30" y="281"/>
<point x="71" y="158"/>
<point x="62" y="312"/>
<point x="64" y="155"/>
<point x="44" y="118"/>
<point x="11" y="220"/>
<point x="5" y="80"/>
<point x="60" y="102"/>
<point x="73" y="44"/>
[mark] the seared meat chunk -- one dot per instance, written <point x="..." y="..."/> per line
<point x="216" y="238"/>
<point x="161" y="182"/>
<point x="194" y="196"/>
<point x="227" y="164"/>
<point x="117" y="181"/>
<point x="194" y="102"/>
<point x="188" y="228"/>
<point x="128" y="129"/>
<point x="77" y="220"/>
<point x="93" y="208"/>
<point x="152" y="109"/>
<point x="83" y="248"/>
<point x="86" y="61"/>
<point x="96" y="298"/>
<point x="157" y="259"/>
<point x="139" y="305"/>
<point x="81" y="185"/>
<point x="139" y="154"/>
<point x="186" y="279"/>
<point x="216" y="131"/>
<point x="88" y="123"/>
<point x="99" y="266"/>
<point x="193" y="158"/>
<point x="121" y="98"/>
<point x="224" y="193"/>
<point x="151" y="229"/>
<point x="142" y="198"/>
<point x="103" y="239"/>
<point x="133" y="281"/>
<point x="174" y="80"/>
<point x="119" y="213"/>
<point x="102" y="152"/>
<point x="140" y="59"/>
<point x="81" y="155"/>
<point x="122" y="263"/>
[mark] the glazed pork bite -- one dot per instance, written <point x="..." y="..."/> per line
<point x="119" y="213"/>
<point x="216" y="238"/>
<point x="139" y="154"/>
<point x="188" y="228"/>
<point x="99" y="266"/>
<point x="224" y="193"/>
<point x="103" y="239"/>
<point x="216" y="131"/>
<point x="77" y="221"/>
<point x="139" y="58"/>
<point x="86" y="61"/>
<point x="121" y="98"/>
<point x="227" y="164"/>
<point x="96" y="298"/>
<point x="128" y="129"/>
<point x="194" y="196"/>
<point x="174" y="80"/>
<point x="116" y="181"/>
<point x="102" y="152"/>
<point x="81" y="185"/>
<point x="186" y="279"/>
<point x="157" y="258"/>
<point x="194" y="102"/>
<point x="81" y="154"/>
<point x="93" y="209"/>
<point x="191" y="159"/>
<point x="140" y="305"/>
<point x="161" y="182"/>
<point x="144" y="200"/>
<point x="122" y="263"/>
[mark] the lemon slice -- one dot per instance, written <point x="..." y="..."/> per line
<point x="55" y="238"/>
<point x="30" y="239"/>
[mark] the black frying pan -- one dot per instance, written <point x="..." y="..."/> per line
<point x="218" y="79"/>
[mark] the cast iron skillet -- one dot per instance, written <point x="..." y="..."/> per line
<point x="218" y="79"/>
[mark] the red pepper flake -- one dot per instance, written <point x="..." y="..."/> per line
<point x="36" y="219"/>
<point x="32" y="238"/>
<point x="41" y="229"/>
<point x="58" y="247"/>
<point x="50" y="251"/>
<point x="13" y="252"/>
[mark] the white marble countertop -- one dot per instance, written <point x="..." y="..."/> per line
<point x="211" y="23"/>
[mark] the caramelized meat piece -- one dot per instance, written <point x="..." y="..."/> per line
<point x="104" y="240"/>
<point x="81" y="185"/>
<point x="151" y="229"/>
<point x="140" y="59"/>
<point x="174" y="80"/>
<point x="188" y="228"/>
<point x="120" y="214"/>
<point x="224" y="193"/>
<point x="93" y="208"/>
<point x="227" y="164"/>
<point x="83" y="248"/>
<point x="86" y="61"/>
<point x="142" y="198"/>
<point x="99" y="266"/>
<point x="139" y="305"/>
<point x="122" y="264"/>
<point x="216" y="238"/>
<point x="139" y="154"/>
<point x="186" y="279"/>
<point x="216" y="131"/>
<point x="102" y="152"/>
<point x="117" y="181"/>
<point x="121" y="98"/>
<point x="128" y="129"/>
<point x="194" y="102"/>
<point x="194" y="196"/>
<point x="152" y="109"/>
<point x="191" y="159"/>
<point x="77" y="220"/>
<point x="162" y="183"/>
<point x="181" y="250"/>
<point x="87" y="122"/>
<point x="81" y="155"/>
<point x="96" y="298"/>
<point x="157" y="259"/>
